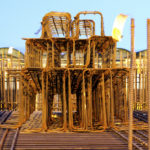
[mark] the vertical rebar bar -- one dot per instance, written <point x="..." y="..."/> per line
<point x="84" y="102"/>
<point x="64" y="102"/>
<point x="135" y="91"/>
<point x="114" y="56"/>
<point x="121" y="60"/>
<point x="148" y="78"/>
<point x="94" y="55"/>
<point x="125" y="101"/>
<point x="112" y="99"/>
<point x="130" y="138"/>
<point x="21" y="106"/>
<point x="90" y="100"/>
<point x="68" y="54"/>
<point x="74" y="53"/>
<point x="70" y="113"/>
<point x="53" y="52"/>
<point x="16" y="94"/>
<point x="140" y="81"/>
<point x="44" y="99"/>
<point x="103" y="101"/>
<point x="4" y="90"/>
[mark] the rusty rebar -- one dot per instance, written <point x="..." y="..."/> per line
<point x="130" y="141"/>
<point x="148" y="78"/>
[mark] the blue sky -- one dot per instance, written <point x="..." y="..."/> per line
<point x="21" y="18"/>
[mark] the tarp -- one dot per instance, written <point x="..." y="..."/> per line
<point x="118" y="26"/>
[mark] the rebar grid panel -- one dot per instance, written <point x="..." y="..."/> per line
<point x="77" y="18"/>
<point x="11" y="65"/>
<point x="32" y="50"/>
<point x="86" y="29"/>
<point x="141" y="81"/>
<point x="28" y="94"/>
<point x="54" y="48"/>
<point x="55" y="24"/>
<point x="73" y="86"/>
<point x="120" y="92"/>
<point x="12" y="94"/>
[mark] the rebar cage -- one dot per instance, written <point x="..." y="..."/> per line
<point x="74" y="75"/>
